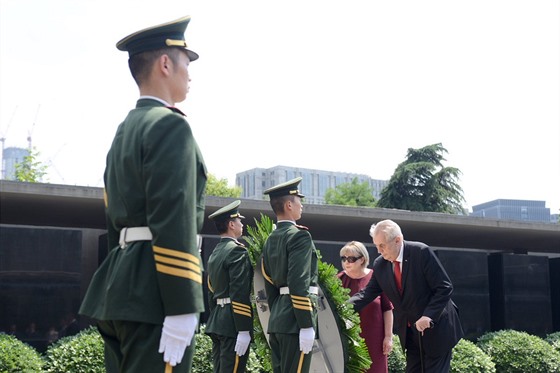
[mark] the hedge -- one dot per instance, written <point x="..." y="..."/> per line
<point x="397" y="360"/>
<point x="16" y="356"/>
<point x="554" y="340"/>
<point x="468" y="357"/>
<point x="80" y="353"/>
<point x="519" y="352"/>
<point x="506" y="351"/>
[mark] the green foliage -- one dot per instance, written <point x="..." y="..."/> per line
<point x="260" y="347"/>
<point x="335" y="293"/>
<point x="554" y="340"/>
<point x="518" y="352"/>
<point x="347" y="319"/>
<point x="256" y="238"/>
<point x="397" y="360"/>
<point x="31" y="170"/>
<point x="254" y="363"/>
<point x="351" y="194"/>
<point x="202" y="357"/>
<point x="81" y="353"/>
<point x="468" y="357"/>
<point x="220" y="188"/>
<point x="16" y="356"/>
<point x="422" y="183"/>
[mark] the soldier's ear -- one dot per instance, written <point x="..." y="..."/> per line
<point x="289" y="204"/>
<point x="164" y="64"/>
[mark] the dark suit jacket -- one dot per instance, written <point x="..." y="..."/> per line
<point x="426" y="292"/>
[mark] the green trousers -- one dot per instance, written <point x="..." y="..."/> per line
<point x="286" y="356"/>
<point x="224" y="358"/>
<point x="132" y="347"/>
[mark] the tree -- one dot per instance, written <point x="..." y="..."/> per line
<point x="219" y="188"/>
<point x="31" y="170"/>
<point x="351" y="194"/>
<point x="422" y="183"/>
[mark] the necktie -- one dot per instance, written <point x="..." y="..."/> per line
<point x="398" y="275"/>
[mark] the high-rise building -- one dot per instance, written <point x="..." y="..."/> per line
<point x="10" y="157"/>
<point x="513" y="209"/>
<point x="314" y="184"/>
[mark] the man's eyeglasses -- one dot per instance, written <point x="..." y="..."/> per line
<point x="350" y="259"/>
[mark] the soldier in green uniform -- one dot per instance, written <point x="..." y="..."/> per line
<point x="147" y="294"/>
<point x="289" y="266"/>
<point x="229" y="282"/>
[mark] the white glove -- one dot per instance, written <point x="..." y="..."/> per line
<point x="306" y="338"/>
<point x="243" y="340"/>
<point x="176" y="336"/>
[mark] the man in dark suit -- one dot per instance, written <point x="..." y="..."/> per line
<point x="412" y="277"/>
<point x="147" y="293"/>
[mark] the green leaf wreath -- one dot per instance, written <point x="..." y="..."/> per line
<point x="348" y="321"/>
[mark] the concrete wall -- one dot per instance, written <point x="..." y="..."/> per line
<point x="52" y="239"/>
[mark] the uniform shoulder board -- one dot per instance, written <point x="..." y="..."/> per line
<point x="176" y="110"/>
<point x="302" y="227"/>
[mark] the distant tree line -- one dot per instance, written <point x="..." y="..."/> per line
<point x="420" y="183"/>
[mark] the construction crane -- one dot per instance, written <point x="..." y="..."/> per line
<point x="30" y="132"/>
<point x="3" y="140"/>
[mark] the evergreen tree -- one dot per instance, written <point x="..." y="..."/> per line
<point x="422" y="183"/>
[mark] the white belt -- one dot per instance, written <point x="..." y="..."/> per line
<point x="134" y="234"/>
<point x="223" y="301"/>
<point x="284" y="290"/>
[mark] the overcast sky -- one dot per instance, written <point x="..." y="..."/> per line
<point x="329" y="85"/>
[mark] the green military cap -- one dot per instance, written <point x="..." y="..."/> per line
<point x="289" y="188"/>
<point x="170" y="34"/>
<point x="227" y="212"/>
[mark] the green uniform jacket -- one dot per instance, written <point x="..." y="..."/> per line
<point x="229" y="276"/>
<point x="156" y="177"/>
<point x="290" y="259"/>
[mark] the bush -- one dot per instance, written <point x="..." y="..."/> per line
<point x="202" y="358"/>
<point x="16" y="356"/>
<point x="554" y="340"/>
<point x="81" y="353"/>
<point x="397" y="360"/>
<point x="519" y="352"/>
<point x="467" y="357"/>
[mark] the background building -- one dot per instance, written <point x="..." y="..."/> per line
<point x="513" y="209"/>
<point x="314" y="184"/>
<point x="10" y="157"/>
